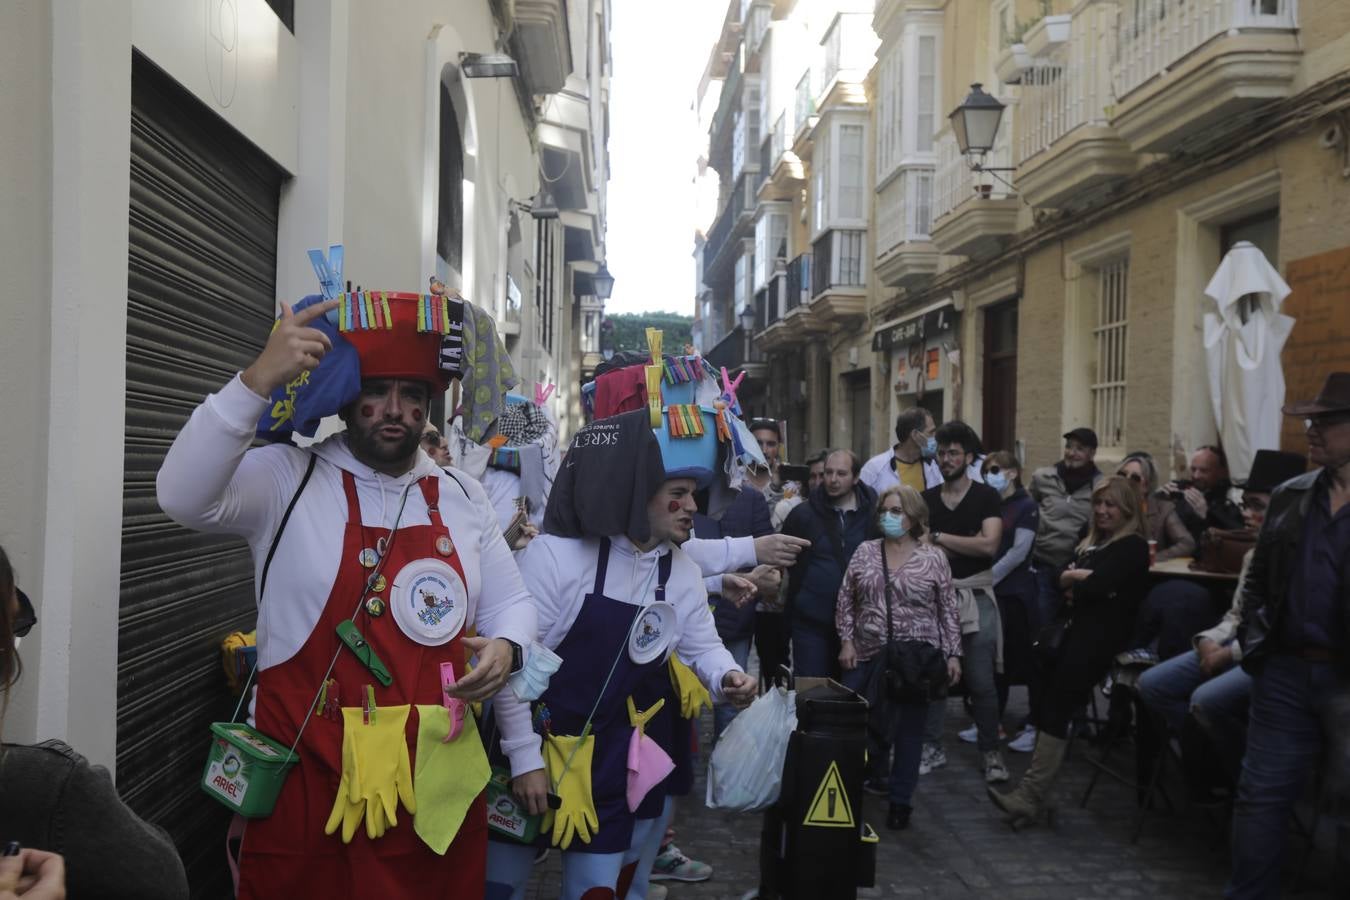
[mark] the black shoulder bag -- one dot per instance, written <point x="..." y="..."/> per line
<point x="916" y="671"/>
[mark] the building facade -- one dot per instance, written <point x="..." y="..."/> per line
<point x="167" y="167"/>
<point x="1141" y="139"/>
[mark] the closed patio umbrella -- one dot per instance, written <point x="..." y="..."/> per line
<point x="1244" y="334"/>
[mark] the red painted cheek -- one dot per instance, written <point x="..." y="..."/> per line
<point x="416" y="415"/>
<point x="367" y="410"/>
<point x="675" y="505"/>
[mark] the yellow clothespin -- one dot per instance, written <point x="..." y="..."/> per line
<point x="654" y="345"/>
<point x="654" y="374"/>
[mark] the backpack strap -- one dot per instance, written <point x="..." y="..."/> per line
<point x="276" y="538"/>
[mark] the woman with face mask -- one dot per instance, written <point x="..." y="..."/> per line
<point x="922" y="607"/>
<point x="64" y="827"/>
<point x="1014" y="584"/>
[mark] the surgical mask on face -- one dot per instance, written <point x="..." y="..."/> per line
<point x="893" y="524"/>
<point x="532" y="679"/>
<point x="929" y="449"/>
<point x="996" y="480"/>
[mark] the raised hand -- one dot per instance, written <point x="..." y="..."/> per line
<point x="293" y="347"/>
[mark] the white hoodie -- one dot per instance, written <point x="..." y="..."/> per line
<point x="211" y="481"/>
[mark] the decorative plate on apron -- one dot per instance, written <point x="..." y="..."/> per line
<point x="651" y="633"/>
<point x="429" y="601"/>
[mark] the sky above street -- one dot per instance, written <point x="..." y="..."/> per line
<point x="659" y="54"/>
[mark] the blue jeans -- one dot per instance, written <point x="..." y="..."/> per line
<point x="878" y="750"/>
<point x="907" y="740"/>
<point x="723" y="713"/>
<point x="815" y="649"/>
<point x="1219" y="704"/>
<point x="1049" y="597"/>
<point x="1284" y="740"/>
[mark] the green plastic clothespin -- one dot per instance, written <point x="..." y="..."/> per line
<point x="350" y="635"/>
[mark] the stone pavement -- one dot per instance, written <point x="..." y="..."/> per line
<point x="957" y="846"/>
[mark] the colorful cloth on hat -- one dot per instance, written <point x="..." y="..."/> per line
<point x="298" y="407"/>
<point x="522" y="423"/>
<point x="488" y="373"/>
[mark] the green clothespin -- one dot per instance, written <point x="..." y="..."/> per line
<point x="350" y="635"/>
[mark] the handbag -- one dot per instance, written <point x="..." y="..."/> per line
<point x="916" y="671"/>
<point x="1222" y="550"/>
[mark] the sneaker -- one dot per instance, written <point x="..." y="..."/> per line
<point x="879" y="787"/>
<point x="971" y="735"/>
<point x="672" y="865"/>
<point x="1024" y="742"/>
<point x="995" y="772"/>
<point x="933" y="758"/>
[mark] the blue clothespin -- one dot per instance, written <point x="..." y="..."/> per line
<point x="329" y="272"/>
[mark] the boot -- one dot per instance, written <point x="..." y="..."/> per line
<point x="1029" y="798"/>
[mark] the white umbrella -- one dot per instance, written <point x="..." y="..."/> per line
<point x="1244" y="333"/>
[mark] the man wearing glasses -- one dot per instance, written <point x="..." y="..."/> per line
<point x="1296" y="598"/>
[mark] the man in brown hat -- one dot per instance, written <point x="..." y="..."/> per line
<point x="1295" y="614"/>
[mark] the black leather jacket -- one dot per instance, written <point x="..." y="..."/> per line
<point x="1266" y="589"/>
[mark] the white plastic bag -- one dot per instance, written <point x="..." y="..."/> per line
<point x="745" y="772"/>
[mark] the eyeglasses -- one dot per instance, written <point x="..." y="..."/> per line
<point x="1134" y="476"/>
<point x="25" y="618"/>
<point x="1329" y="420"/>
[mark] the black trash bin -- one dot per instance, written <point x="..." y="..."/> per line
<point x="814" y="845"/>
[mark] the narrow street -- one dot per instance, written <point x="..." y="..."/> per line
<point x="958" y="846"/>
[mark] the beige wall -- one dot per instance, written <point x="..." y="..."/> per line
<point x="25" y="316"/>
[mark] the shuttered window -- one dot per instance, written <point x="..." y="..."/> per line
<point x="201" y="294"/>
<point x="1109" y="337"/>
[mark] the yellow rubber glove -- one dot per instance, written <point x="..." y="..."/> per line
<point x="349" y="806"/>
<point x="568" y="761"/>
<point x="693" y="695"/>
<point x="381" y="751"/>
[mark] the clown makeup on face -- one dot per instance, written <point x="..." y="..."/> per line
<point x="670" y="512"/>
<point x="384" y="424"/>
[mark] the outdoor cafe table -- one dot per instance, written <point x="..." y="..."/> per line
<point x="1180" y="567"/>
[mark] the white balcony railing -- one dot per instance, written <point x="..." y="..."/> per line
<point x="1069" y="88"/>
<point x="850" y="45"/>
<point x="804" y="106"/>
<point x="954" y="183"/>
<point x="905" y="209"/>
<point x="778" y="143"/>
<point x="1156" y="34"/>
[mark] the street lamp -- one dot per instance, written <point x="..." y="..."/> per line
<point x="975" y="123"/>
<point x="488" y="65"/>
<point x="603" y="283"/>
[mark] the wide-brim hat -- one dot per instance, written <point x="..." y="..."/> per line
<point x="399" y="335"/>
<point x="1334" y="397"/>
<point x="1271" y="468"/>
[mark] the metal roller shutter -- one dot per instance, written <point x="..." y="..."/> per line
<point x="201" y="289"/>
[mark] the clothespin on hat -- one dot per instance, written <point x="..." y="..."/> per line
<point x="542" y="392"/>
<point x="655" y="371"/>
<point x="329" y="270"/>
<point x="729" y="390"/>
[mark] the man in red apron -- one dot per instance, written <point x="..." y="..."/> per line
<point x="375" y="567"/>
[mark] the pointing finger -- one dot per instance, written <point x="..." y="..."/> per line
<point x="309" y="313"/>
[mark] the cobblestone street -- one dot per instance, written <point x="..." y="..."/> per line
<point x="957" y="846"/>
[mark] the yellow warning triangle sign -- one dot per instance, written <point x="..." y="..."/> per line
<point x="829" y="808"/>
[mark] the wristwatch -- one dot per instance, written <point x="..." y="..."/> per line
<point x="936" y="535"/>
<point x="517" y="656"/>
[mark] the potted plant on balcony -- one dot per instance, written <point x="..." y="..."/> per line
<point x="1047" y="34"/>
<point x="1012" y="62"/>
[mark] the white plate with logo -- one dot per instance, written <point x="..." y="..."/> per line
<point x="651" y="633"/>
<point x="429" y="602"/>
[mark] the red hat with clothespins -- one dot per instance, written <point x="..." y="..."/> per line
<point x="401" y="335"/>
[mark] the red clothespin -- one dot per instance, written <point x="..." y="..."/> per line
<point x="542" y="392"/>
<point x="729" y="388"/>
<point x="454" y="707"/>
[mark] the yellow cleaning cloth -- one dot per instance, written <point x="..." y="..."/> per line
<point x="447" y="778"/>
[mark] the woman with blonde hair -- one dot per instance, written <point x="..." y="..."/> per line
<point x="1103" y="587"/>
<point x="897" y="588"/>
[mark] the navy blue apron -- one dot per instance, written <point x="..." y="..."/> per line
<point x="599" y="633"/>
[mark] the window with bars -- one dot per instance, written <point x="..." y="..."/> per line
<point x="1110" y="346"/>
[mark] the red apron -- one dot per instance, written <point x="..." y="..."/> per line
<point x="287" y="854"/>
